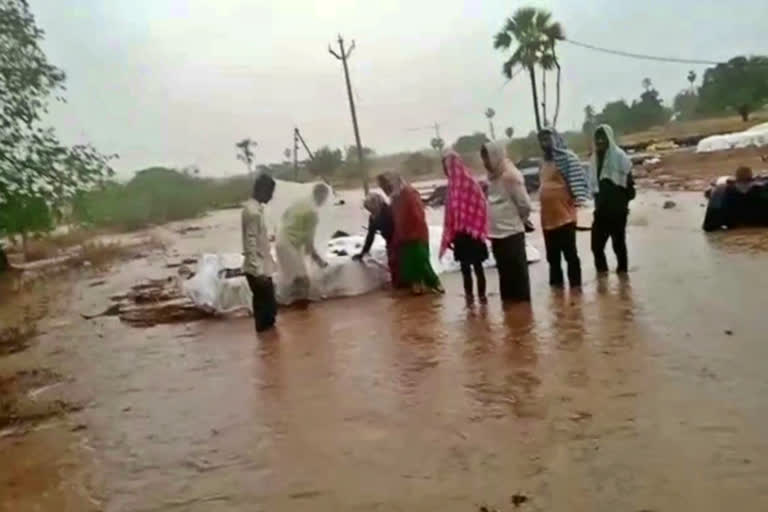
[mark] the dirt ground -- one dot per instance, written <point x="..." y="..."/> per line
<point x="688" y="170"/>
<point x="644" y="393"/>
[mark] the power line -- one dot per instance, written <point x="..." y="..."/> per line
<point x="643" y="56"/>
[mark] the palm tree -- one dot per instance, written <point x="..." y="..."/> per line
<point x="245" y="152"/>
<point x="554" y="32"/>
<point x="647" y="84"/>
<point x="510" y="132"/>
<point x="530" y="28"/>
<point x="547" y="62"/>
<point x="692" y="78"/>
<point x="489" y="113"/>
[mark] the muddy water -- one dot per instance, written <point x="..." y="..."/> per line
<point x="638" y="394"/>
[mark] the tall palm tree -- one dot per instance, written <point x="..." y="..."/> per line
<point x="245" y="152"/>
<point x="489" y="113"/>
<point x="529" y="27"/>
<point x="692" y="78"/>
<point x="547" y="62"/>
<point x="647" y="84"/>
<point x="554" y="32"/>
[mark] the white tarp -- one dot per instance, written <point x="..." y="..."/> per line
<point x="754" y="137"/>
<point x="342" y="278"/>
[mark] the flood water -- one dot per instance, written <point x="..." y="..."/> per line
<point x="646" y="393"/>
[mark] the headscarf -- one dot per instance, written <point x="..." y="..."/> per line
<point x="374" y="202"/>
<point x="497" y="154"/>
<point x="569" y="165"/>
<point x="397" y="182"/>
<point x="617" y="166"/>
<point x="465" y="206"/>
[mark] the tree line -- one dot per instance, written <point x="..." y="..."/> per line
<point x="739" y="86"/>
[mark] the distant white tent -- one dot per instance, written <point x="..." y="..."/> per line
<point x="756" y="136"/>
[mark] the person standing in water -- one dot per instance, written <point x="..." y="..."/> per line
<point x="380" y="221"/>
<point x="508" y="209"/>
<point x="563" y="186"/>
<point x="411" y="237"/>
<point x="465" y="224"/>
<point x="258" y="265"/>
<point x="613" y="186"/>
<point x="296" y="240"/>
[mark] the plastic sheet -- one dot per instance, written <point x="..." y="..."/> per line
<point x="212" y="291"/>
<point x="754" y="137"/>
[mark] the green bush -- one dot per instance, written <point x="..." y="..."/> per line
<point x="155" y="196"/>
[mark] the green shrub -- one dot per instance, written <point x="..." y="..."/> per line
<point x="155" y="196"/>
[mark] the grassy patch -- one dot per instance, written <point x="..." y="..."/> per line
<point x="156" y="196"/>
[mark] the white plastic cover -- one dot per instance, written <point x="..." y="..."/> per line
<point x="343" y="277"/>
<point x="754" y="137"/>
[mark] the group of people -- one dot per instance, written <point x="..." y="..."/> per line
<point x="295" y="242"/>
<point x="738" y="202"/>
<point x="475" y="216"/>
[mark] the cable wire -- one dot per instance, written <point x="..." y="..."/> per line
<point x="643" y="56"/>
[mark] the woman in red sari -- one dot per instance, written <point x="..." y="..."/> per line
<point x="411" y="237"/>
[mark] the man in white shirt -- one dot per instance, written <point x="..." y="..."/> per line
<point x="258" y="265"/>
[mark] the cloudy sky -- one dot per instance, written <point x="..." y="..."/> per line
<point x="178" y="82"/>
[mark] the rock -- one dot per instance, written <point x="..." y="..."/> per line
<point x="518" y="499"/>
<point x="580" y="416"/>
<point x="668" y="205"/>
<point x="728" y="332"/>
<point x="339" y="234"/>
<point x="188" y="229"/>
<point x="112" y="310"/>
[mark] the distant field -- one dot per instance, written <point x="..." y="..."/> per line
<point x="702" y="127"/>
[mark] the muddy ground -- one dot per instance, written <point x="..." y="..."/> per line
<point x="638" y="394"/>
<point x="685" y="169"/>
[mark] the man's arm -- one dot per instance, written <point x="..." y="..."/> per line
<point x="310" y="241"/>
<point x="515" y="187"/>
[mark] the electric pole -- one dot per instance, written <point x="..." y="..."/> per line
<point x="296" y="154"/>
<point x="343" y="56"/>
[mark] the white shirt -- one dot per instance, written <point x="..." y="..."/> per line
<point x="508" y="206"/>
<point x="258" y="259"/>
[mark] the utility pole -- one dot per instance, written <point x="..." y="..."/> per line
<point x="303" y="143"/>
<point x="296" y="154"/>
<point x="343" y="56"/>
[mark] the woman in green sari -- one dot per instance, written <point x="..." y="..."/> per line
<point x="411" y="237"/>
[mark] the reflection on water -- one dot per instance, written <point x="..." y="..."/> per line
<point x="599" y="400"/>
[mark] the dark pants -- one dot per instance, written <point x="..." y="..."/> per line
<point x="614" y="227"/>
<point x="562" y="242"/>
<point x="512" y="264"/>
<point x="466" y="273"/>
<point x="264" y="301"/>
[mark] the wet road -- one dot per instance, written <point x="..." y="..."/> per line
<point x="638" y="394"/>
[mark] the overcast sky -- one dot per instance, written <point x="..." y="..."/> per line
<point x="178" y="82"/>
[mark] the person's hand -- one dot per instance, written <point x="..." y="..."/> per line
<point x="529" y="228"/>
